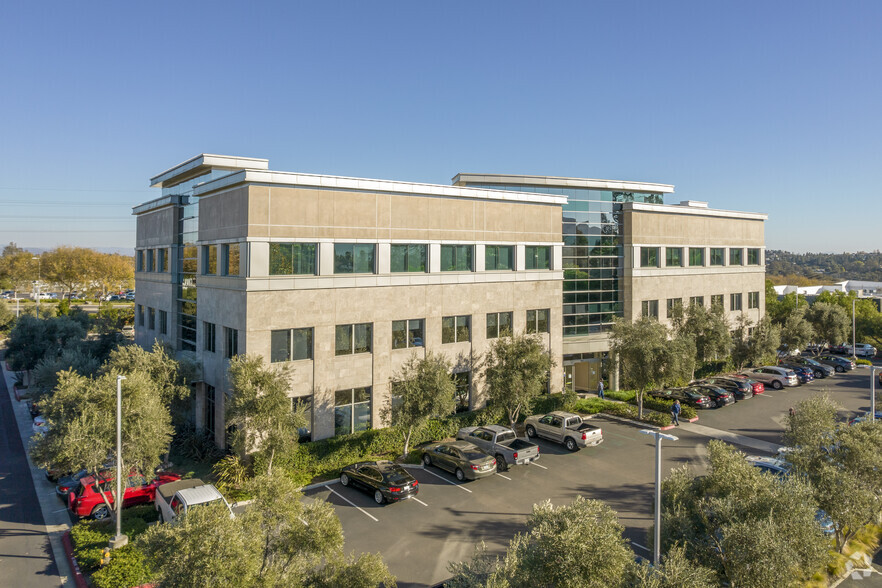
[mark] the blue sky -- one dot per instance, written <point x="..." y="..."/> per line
<point x="760" y="106"/>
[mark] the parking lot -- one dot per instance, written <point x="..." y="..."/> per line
<point x="418" y="538"/>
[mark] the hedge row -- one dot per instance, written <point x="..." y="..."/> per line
<point x="652" y="403"/>
<point x="595" y="405"/>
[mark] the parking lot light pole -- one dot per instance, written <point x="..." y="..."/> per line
<point x="873" y="370"/>
<point x="37" y="283"/>
<point x="120" y="539"/>
<point x="853" y="346"/>
<point x="656" y="544"/>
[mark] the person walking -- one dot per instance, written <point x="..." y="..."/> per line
<point x="675" y="412"/>
<point x="600" y="390"/>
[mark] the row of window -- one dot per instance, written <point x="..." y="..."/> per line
<point x="152" y="260"/>
<point x="296" y="344"/>
<point x="229" y="259"/>
<point x="230" y="341"/>
<point x="650" y="307"/>
<point x="151" y="319"/>
<point x="361" y="258"/>
<point x="651" y="256"/>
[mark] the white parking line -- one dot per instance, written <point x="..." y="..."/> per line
<point x="59" y="510"/>
<point x="640" y="546"/>
<point x="764" y="395"/>
<point x="448" y="481"/>
<point x="353" y="504"/>
<point x="501" y="476"/>
<point x="538" y="466"/>
<point x="420" y="501"/>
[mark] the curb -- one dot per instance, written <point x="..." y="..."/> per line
<point x="319" y="485"/>
<point x="78" y="577"/>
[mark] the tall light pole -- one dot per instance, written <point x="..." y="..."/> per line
<point x="873" y="370"/>
<point x="853" y="348"/>
<point x="656" y="543"/>
<point x="120" y="539"/>
<point x="39" y="276"/>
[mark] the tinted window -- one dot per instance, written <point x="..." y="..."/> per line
<point x="503" y="437"/>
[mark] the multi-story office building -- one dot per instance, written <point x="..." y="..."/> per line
<point x="613" y="233"/>
<point x="342" y="280"/>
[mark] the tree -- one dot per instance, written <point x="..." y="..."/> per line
<point x="422" y="389"/>
<point x="27" y="343"/>
<point x="753" y="529"/>
<point x="675" y="571"/>
<point x="831" y="323"/>
<point x="516" y="371"/>
<point x="7" y="318"/>
<point x="579" y="544"/>
<point x="646" y="355"/>
<point x="763" y="344"/>
<point x="797" y="332"/>
<point x="741" y="348"/>
<point x="81" y="418"/>
<point x="707" y="327"/>
<point x="259" y="409"/>
<point x="278" y="541"/>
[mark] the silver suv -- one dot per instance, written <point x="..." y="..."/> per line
<point x="774" y="376"/>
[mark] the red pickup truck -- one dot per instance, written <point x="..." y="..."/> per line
<point x="85" y="501"/>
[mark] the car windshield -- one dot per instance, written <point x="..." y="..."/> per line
<point x="475" y="456"/>
<point x="503" y="437"/>
<point x="397" y="476"/>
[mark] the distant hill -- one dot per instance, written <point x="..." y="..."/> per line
<point x="825" y="267"/>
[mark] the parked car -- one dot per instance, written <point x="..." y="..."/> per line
<point x="67" y="483"/>
<point x="861" y="350"/>
<point x="40" y="426"/>
<point x="840" y="349"/>
<point x="128" y="331"/>
<point x="720" y="396"/>
<point x="740" y="388"/>
<point x="7" y="294"/>
<point x="818" y="369"/>
<point x="501" y="443"/>
<point x="804" y="373"/>
<point x="772" y="465"/>
<point x="175" y="498"/>
<point x="460" y="458"/>
<point x="685" y="396"/>
<point x="864" y="417"/>
<point x="840" y="364"/>
<point x="389" y="482"/>
<point x="86" y="501"/>
<point x="755" y="385"/>
<point x="564" y="427"/>
<point x="776" y="377"/>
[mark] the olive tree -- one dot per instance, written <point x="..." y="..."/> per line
<point x="259" y="409"/>
<point x="830" y="322"/>
<point x="797" y="332"/>
<point x="516" y="371"/>
<point x="422" y="389"/>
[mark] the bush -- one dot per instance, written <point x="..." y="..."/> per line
<point x="628" y="411"/>
<point x="551" y="402"/>
<point x="194" y="445"/>
<point x="127" y="567"/>
<point x="91" y="537"/>
<point x="712" y="368"/>
<point x="621" y="395"/>
<point x="863" y="362"/>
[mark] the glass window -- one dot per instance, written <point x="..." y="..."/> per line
<point x="753" y="257"/>
<point x="208" y="337"/>
<point x="696" y="256"/>
<point x="537" y="321"/>
<point x="673" y="257"/>
<point x="717" y="300"/>
<point x="498" y="257"/>
<point x="209" y="420"/>
<point x="291" y="344"/>
<point x="280" y="346"/>
<point x="456" y="329"/>
<point x="735" y="301"/>
<point x="139" y="260"/>
<point x="163" y="322"/>
<point x="354" y="258"/>
<point x="292" y="259"/>
<point x="735" y="256"/>
<point x="753" y="299"/>
<point x="151" y="267"/>
<point x="231" y="342"/>
<point x="407" y="334"/>
<point x="457" y="258"/>
<point x="151" y="318"/>
<point x="352" y="410"/>
<point x="462" y="380"/>
<point x="140" y="315"/>
<point x="672" y="304"/>
<point x="408" y="258"/>
<point x="696" y="301"/>
<point x="650" y="308"/>
<point x="230" y="259"/>
<point x="717" y="256"/>
<point x="537" y="257"/>
<point x="499" y="324"/>
<point x="649" y="257"/>
<point x="353" y="339"/>
<point x="209" y="260"/>
<point x="301" y="344"/>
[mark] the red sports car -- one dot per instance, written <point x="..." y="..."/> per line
<point x="85" y="501"/>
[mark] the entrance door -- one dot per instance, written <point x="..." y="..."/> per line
<point x="586" y="375"/>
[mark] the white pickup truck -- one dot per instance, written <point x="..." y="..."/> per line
<point x="175" y="498"/>
<point x="564" y="427"/>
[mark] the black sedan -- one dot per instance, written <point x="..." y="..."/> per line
<point x="461" y="458"/>
<point x="719" y="395"/>
<point x="389" y="482"/>
<point x="685" y="396"/>
<point x="740" y="389"/>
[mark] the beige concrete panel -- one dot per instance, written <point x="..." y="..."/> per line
<point x="156" y="229"/>
<point x="224" y="215"/>
<point x="683" y="229"/>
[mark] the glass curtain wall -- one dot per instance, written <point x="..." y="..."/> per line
<point x="592" y="253"/>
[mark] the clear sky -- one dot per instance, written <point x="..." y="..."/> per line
<point x="751" y="105"/>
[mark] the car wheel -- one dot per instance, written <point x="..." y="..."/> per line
<point x="819" y="374"/>
<point x="571" y="444"/>
<point x="777" y="385"/>
<point x="427" y="460"/>
<point x="379" y="498"/>
<point x="840" y="369"/>
<point x="344" y="479"/>
<point x="100" y="512"/>
<point x="460" y="475"/>
<point x="531" y="432"/>
<point x="501" y="464"/>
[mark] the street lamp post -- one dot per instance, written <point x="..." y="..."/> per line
<point x="656" y="544"/>
<point x="39" y="276"/>
<point x="853" y="348"/>
<point x="120" y="539"/>
<point x="873" y="370"/>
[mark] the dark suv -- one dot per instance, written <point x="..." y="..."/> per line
<point x="741" y="389"/>
<point x="818" y="369"/>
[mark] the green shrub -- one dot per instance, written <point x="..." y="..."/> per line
<point x="622" y="395"/>
<point x="863" y="362"/>
<point x="712" y="368"/>
<point x="127" y="568"/>
<point x="144" y="512"/>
